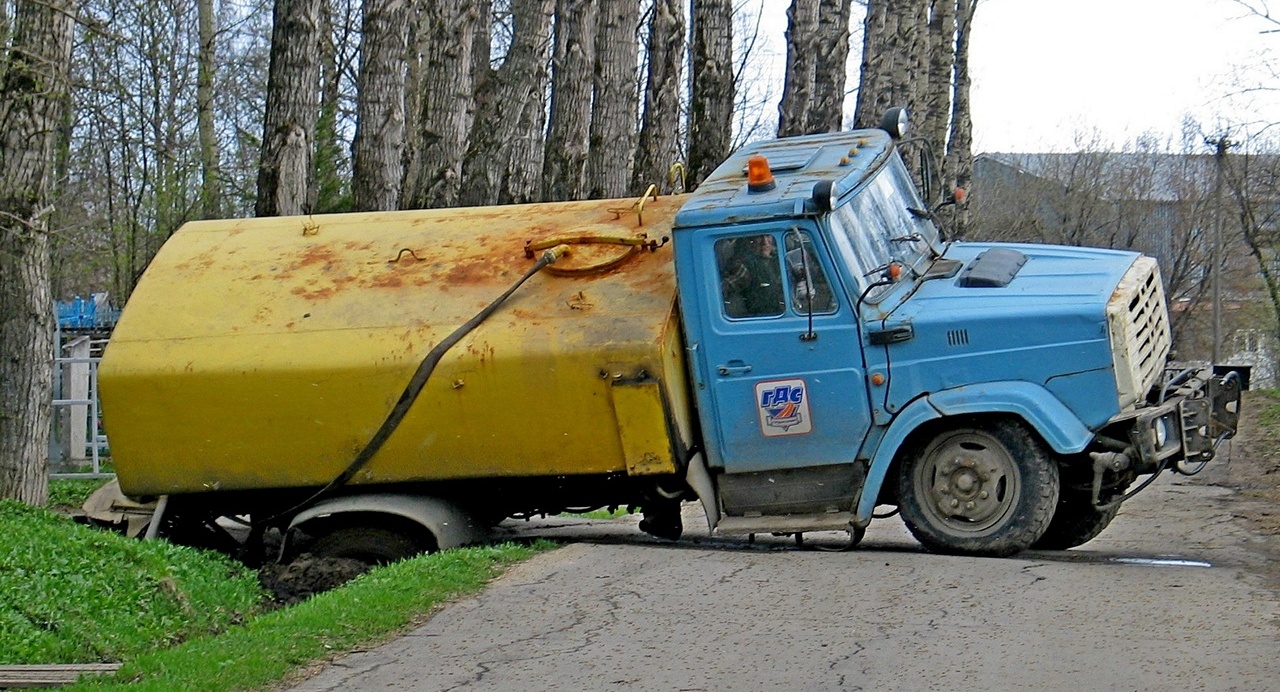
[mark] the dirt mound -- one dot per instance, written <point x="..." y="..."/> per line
<point x="307" y="575"/>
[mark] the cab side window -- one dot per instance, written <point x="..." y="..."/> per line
<point x="750" y="276"/>
<point x="807" y="280"/>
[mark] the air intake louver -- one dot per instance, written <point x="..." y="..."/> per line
<point x="958" y="337"/>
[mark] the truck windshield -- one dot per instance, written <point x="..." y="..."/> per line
<point x="886" y="222"/>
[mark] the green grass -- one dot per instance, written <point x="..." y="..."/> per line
<point x="70" y="493"/>
<point x="72" y="594"/>
<point x="367" y="610"/>
<point x="192" y="620"/>
<point x="600" y="514"/>
<point x="1269" y="401"/>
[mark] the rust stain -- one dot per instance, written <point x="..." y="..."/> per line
<point x="386" y="281"/>
<point x="476" y="270"/>
<point x="319" y="293"/>
<point x="315" y="254"/>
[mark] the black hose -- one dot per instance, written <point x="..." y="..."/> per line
<point x="416" y="383"/>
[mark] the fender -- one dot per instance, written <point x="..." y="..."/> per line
<point x="1054" y="422"/>
<point x="916" y="413"/>
<point x="449" y="524"/>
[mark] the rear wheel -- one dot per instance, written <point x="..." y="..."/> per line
<point x="375" y="545"/>
<point x="1076" y="521"/>
<point x="988" y="490"/>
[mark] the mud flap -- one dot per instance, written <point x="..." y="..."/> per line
<point x="699" y="479"/>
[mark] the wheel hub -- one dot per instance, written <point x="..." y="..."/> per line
<point x="967" y="489"/>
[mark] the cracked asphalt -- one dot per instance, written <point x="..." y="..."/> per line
<point x="1178" y="593"/>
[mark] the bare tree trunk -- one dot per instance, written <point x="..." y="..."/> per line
<point x="564" y="167"/>
<point x="712" y="90"/>
<point x="446" y="103"/>
<point x="893" y="58"/>
<point x="32" y="96"/>
<point x="504" y="160"/>
<point x="826" y="114"/>
<point x="935" y="112"/>
<point x="802" y="54"/>
<point x="332" y="192"/>
<point x="615" y="103"/>
<point x="658" y="146"/>
<point x="873" y="96"/>
<point x="377" y="169"/>
<point x="210" y="202"/>
<point x="959" y="164"/>
<point x="285" y="174"/>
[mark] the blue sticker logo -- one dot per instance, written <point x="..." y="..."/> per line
<point x="783" y="407"/>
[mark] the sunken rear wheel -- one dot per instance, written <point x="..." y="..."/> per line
<point x="1076" y="521"/>
<point x="988" y="490"/>
<point x="375" y="545"/>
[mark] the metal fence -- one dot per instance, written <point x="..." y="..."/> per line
<point x="77" y="445"/>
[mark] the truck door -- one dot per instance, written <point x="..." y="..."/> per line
<point x="784" y="383"/>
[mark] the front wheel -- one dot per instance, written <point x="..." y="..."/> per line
<point x="988" y="490"/>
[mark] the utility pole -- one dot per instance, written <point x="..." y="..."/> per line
<point x="1220" y="146"/>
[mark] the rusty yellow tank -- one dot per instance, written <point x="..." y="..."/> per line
<point x="265" y="353"/>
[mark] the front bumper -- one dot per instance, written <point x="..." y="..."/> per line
<point x="1190" y="411"/>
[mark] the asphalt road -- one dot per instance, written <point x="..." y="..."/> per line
<point x="1176" y="594"/>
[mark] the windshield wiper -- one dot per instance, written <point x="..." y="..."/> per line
<point x="921" y="213"/>
<point x="909" y="238"/>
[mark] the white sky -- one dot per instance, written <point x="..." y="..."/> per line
<point x="1047" y="71"/>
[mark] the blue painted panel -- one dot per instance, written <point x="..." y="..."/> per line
<point x="767" y="398"/>
<point x="1033" y="403"/>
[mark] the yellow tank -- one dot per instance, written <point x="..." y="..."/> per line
<point x="265" y="353"/>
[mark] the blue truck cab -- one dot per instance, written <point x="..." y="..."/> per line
<point x="845" y="355"/>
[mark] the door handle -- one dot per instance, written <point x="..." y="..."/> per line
<point x="891" y="335"/>
<point x="733" y="367"/>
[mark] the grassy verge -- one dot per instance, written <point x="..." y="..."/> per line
<point x="369" y="609"/>
<point x="71" y="594"/>
<point x="193" y="620"/>
<point x="69" y="494"/>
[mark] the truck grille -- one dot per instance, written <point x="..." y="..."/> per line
<point x="1139" y="324"/>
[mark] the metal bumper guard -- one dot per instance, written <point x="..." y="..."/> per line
<point x="1195" y="410"/>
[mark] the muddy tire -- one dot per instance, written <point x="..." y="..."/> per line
<point x="1075" y="522"/>
<point x="985" y="490"/>
<point x="374" y="545"/>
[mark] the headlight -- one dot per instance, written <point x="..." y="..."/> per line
<point x="1161" y="426"/>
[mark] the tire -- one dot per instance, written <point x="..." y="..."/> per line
<point x="371" y="544"/>
<point x="1075" y="522"/>
<point x="988" y="490"/>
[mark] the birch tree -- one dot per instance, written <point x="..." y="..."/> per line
<point x="445" y="103"/>
<point x="826" y="110"/>
<point x="564" y="169"/>
<point x="377" y="168"/>
<point x="504" y="159"/>
<point x="802" y="49"/>
<point x="658" y="145"/>
<point x="614" y="101"/>
<point x="711" y="80"/>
